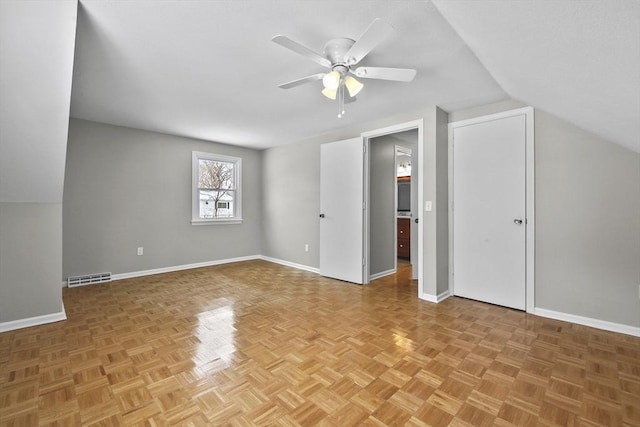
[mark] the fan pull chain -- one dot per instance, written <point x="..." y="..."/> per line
<point x="341" y="100"/>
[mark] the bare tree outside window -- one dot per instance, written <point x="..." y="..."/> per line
<point x="216" y="184"/>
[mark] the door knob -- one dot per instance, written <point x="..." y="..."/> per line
<point x="517" y="221"/>
<point x="321" y="215"/>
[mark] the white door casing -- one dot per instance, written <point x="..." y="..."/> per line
<point x="341" y="210"/>
<point x="418" y="218"/>
<point x="492" y="209"/>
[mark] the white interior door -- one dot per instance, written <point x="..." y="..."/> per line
<point x="489" y="224"/>
<point x="341" y="210"/>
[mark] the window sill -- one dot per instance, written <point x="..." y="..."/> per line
<point x="216" y="221"/>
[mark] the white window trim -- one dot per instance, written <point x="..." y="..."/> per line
<point x="195" y="199"/>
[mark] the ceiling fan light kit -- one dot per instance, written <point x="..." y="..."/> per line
<point x="330" y="93"/>
<point x="331" y="80"/>
<point x="353" y="86"/>
<point x="339" y="56"/>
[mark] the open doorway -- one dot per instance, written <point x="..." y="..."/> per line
<point x="404" y="205"/>
<point x="393" y="202"/>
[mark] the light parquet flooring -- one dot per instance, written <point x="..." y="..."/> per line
<point x="256" y="343"/>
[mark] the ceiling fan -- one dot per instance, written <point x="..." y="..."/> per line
<point x="341" y="55"/>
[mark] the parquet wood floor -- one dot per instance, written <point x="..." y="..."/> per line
<point x="256" y="343"/>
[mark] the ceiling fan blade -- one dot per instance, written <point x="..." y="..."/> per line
<point x="377" y="31"/>
<point x="396" y="74"/>
<point x="302" y="50"/>
<point x="301" y="81"/>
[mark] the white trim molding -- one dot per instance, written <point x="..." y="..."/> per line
<point x="141" y="273"/>
<point x="34" y="321"/>
<point x="435" y="298"/>
<point x="382" y="274"/>
<point x="588" y="321"/>
<point x="290" y="264"/>
<point x="196" y="156"/>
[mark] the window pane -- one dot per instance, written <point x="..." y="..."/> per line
<point x="216" y="192"/>
<point x="217" y="204"/>
<point x="215" y="174"/>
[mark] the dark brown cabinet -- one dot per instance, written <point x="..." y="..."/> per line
<point x="404" y="238"/>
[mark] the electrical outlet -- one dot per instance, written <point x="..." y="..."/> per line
<point x="306" y="247"/>
<point x="140" y="250"/>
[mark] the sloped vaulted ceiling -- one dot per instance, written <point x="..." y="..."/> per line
<point x="579" y="60"/>
<point x="36" y="60"/>
<point x="208" y="69"/>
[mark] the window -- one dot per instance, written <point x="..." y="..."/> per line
<point x="216" y="189"/>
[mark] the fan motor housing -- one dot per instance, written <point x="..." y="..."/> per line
<point x="336" y="49"/>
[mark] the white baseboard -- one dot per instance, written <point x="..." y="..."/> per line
<point x="33" y="321"/>
<point x="435" y="298"/>
<point x="382" y="274"/>
<point x="588" y="321"/>
<point x="142" y="273"/>
<point x="290" y="264"/>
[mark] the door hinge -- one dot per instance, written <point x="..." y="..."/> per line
<point x="363" y="262"/>
<point x="364" y="148"/>
<point x="364" y="205"/>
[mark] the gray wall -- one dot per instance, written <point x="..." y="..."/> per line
<point x="587" y="199"/>
<point x="587" y="224"/>
<point x="126" y="188"/>
<point x="291" y="194"/>
<point x="436" y="185"/>
<point x="30" y="260"/>
<point x="382" y="212"/>
<point x="442" y="195"/>
<point x="37" y="43"/>
<point x="288" y="224"/>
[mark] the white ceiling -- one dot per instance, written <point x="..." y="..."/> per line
<point x="579" y="60"/>
<point x="208" y="69"/>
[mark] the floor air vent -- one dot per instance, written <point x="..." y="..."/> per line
<point x="88" y="279"/>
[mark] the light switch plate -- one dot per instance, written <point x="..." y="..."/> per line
<point x="428" y="205"/>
